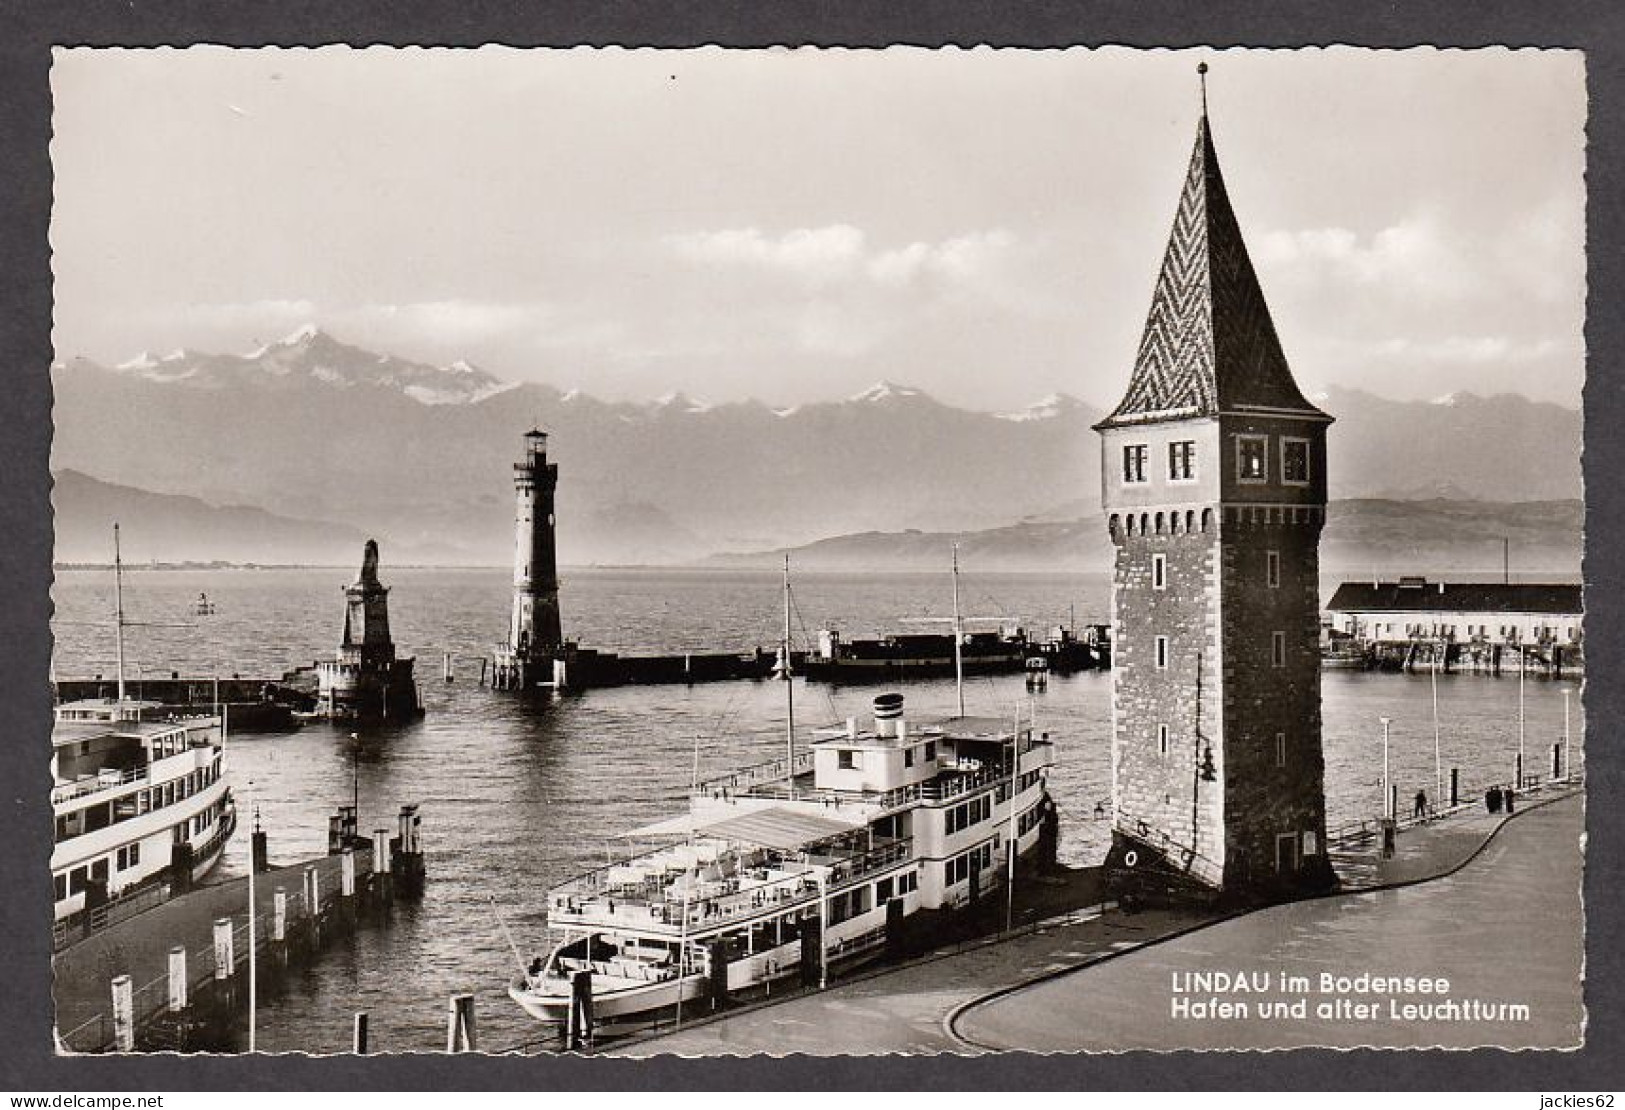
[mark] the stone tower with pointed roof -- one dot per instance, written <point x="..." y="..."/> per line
<point x="1213" y="480"/>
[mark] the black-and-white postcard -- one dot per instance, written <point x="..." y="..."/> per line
<point x="822" y="552"/>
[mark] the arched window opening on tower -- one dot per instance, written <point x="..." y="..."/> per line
<point x="1159" y="571"/>
<point x="1162" y="739"/>
<point x="1162" y="653"/>
<point x="1278" y="649"/>
<point x="1280" y="749"/>
<point x="1272" y="569"/>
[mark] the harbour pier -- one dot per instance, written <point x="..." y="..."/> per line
<point x="180" y="976"/>
<point x="264" y="704"/>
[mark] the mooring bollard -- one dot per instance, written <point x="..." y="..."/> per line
<point x="406" y="861"/>
<point x="460" y="1036"/>
<point x="224" y="962"/>
<point x="347" y="886"/>
<point x="123" y="1014"/>
<point x="359" y="1042"/>
<point x="177" y="979"/>
<point x="380" y="867"/>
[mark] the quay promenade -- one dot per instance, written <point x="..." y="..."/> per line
<point x="1496" y="882"/>
<point x="1488" y="928"/>
<point x="139" y="946"/>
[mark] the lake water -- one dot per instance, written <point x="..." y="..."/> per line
<point x="520" y="793"/>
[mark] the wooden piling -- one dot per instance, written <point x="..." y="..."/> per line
<point x="460" y="1034"/>
<point x="123" y="1014"/>
<point x="177" y="980"/>
<point x="224" y="956"/>
<point x="579" y="1021"/>
<point x="380" y="888"/>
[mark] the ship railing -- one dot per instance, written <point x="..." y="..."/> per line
<point x="848" y="870"/>
<point x="102" y="780"/>
<point x="747" y="778"/>
<point x="723" y="900"/>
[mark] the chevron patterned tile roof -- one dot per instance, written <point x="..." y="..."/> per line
<point x="1209" y="344"/>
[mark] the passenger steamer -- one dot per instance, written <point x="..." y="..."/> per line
<point x="797" y="867"/>
<point x="781" y="875"/>
<point x="141" y="803"/>
<point x="140" y="800"/>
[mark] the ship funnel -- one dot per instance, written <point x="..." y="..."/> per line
<point x="888" y="714"/>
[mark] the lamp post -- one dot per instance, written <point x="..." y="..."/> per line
<point x="1523" y="665"/>
<point x="1438" y="761"/>
<point x="1387" y="808"/>
<point x="1568" y="771"/>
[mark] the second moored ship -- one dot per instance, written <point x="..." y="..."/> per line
<point x="795" y="867"/>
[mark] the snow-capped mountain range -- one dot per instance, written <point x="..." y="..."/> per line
<point x="309" y="353"/>
<point x="311" y="428"/>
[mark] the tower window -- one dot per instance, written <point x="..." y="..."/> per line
<point x="1162" y="652"/>
<point x="1272" y="569"/>
<point x="1278" y="649"/>
<point x="1162" y="739"/>
<point x="1280" y="749"/>
<point x="1134" y="462"/>
<point x="1182" y="460"/>
<point x="1295" y="461"/>
<point x="1252" y="458"/>
<point x="1159" y="571"/>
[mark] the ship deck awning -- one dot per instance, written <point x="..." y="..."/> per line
<point x="773" y="827"/>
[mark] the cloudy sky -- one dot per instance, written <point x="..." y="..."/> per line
<point x="794" y="225"/>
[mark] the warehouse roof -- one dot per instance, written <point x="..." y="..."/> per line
<point x="1420" y="595"/>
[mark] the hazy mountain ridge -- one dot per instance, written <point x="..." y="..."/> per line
<point x="1391" y="536"/>
<point x="315" y="430"/>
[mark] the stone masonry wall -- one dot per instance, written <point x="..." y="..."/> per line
<point x="1261" y="699"/>
<point x="1162" y="789"/>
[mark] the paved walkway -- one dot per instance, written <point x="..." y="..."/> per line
<point x="1506" y="929"/>
<point x="139" y="946"/>
<point x="909" y="1009"/>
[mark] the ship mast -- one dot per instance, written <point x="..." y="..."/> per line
<point x="118" y="609"/>
<point x="789" y="692"/>
<point x="959" y="636"/>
